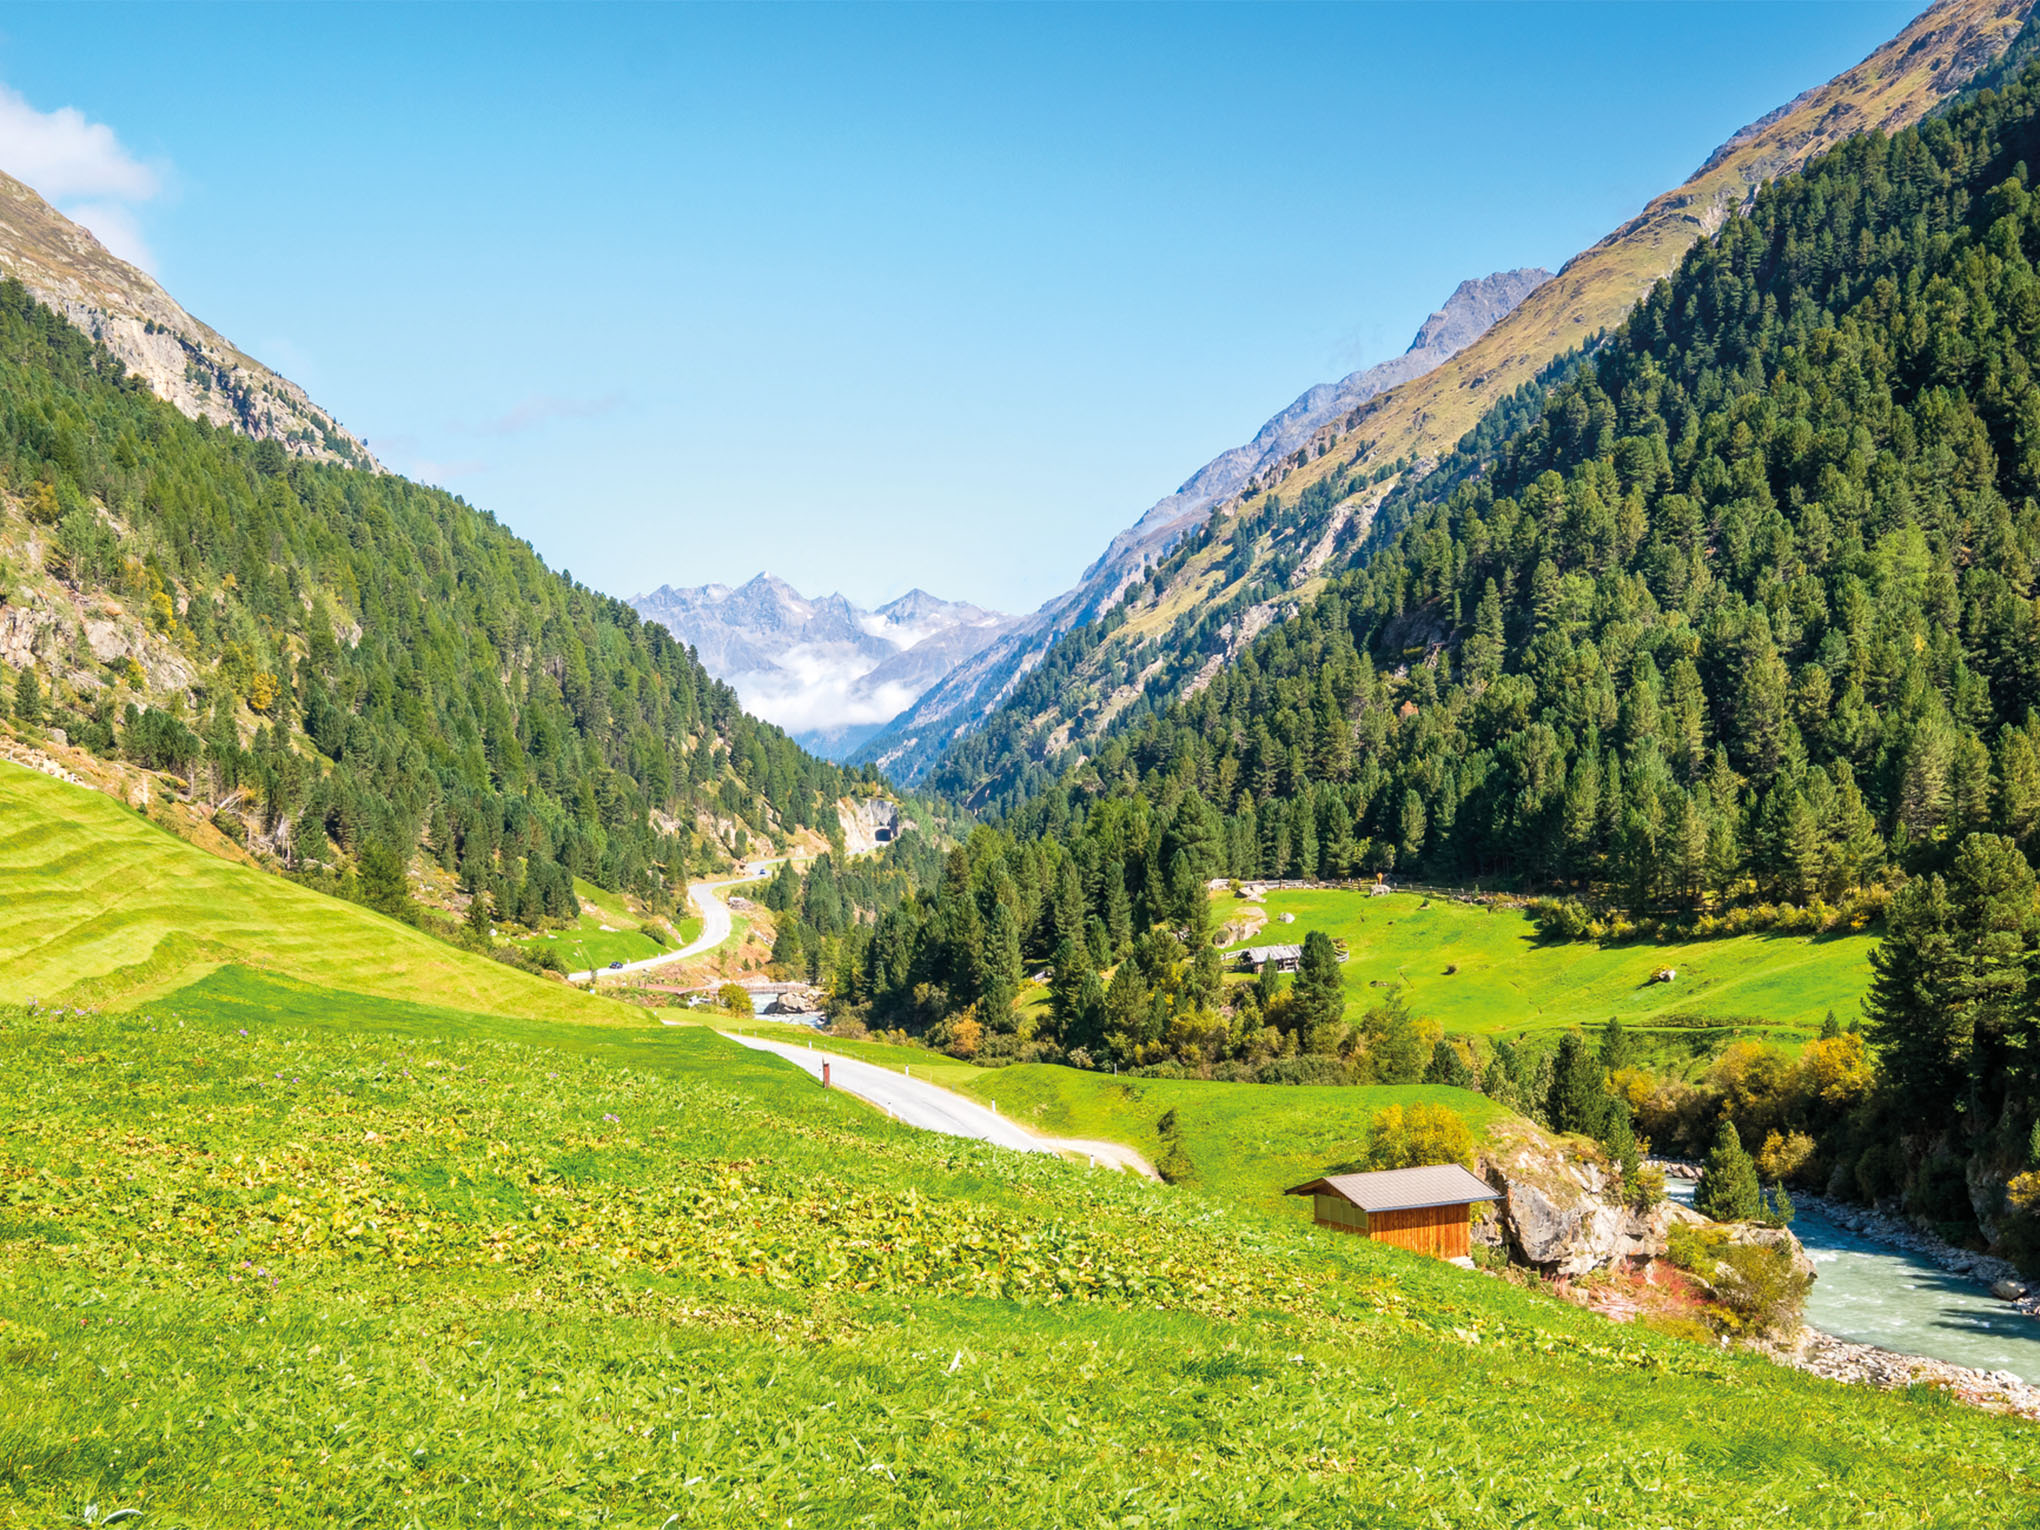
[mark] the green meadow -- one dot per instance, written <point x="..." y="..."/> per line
<point x="271" y="1258"/>
<point x="1484" y="970"/>
<point x="1245" y="1142"/>
<point x="612" y="933"/>
<point x="317" y="1227"/>
<point x="104" y="907"/>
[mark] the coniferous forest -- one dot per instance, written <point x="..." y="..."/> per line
<point x="381" y="667"/>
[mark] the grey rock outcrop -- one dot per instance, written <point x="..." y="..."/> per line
<point x="1562" y="1214"/>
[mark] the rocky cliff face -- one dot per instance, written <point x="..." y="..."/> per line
<point x="1474" y="307"/>
<point x="967" y="693"/>
<point x="183" y="361"/>
<point x="1562" y="1213"/>
<point x="829" y="672"/>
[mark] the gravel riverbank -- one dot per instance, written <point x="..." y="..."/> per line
<point x="1839" y="1359"/>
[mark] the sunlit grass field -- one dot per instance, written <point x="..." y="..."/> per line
<point x="104" y="907"/>
<point x="264" y="1264"/>
<point x="1509" y="982"/>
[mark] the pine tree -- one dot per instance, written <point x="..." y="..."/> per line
<point x="1447" y="1067"/>
<point x="1267" y="984"/>
<point x="385" y="886"/>
<point x="1001" y="965"/>
<point x="1782" y="1209"/>
<point x="1615" y="1047"/>
<point x="1066" y="986"/>
<point x="1618" y="1136"/>
<point x="1728" y="1190"/>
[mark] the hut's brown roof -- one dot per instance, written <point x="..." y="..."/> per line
<point x="1445" y="1184"/>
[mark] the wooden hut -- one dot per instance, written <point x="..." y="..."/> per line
<point x="1426" y="1210"/>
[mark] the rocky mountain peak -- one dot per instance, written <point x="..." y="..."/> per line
<point x="824" y="668"/>
<point x="1475" y="307"/>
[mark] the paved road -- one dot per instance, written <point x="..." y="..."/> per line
<point x="935" y="1109"/>
<point x="911" y="1100"/>
<point x="715" y="929"/>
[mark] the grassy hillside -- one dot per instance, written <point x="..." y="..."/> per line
<point x="1245" y="1142"/>
<point x="102" y="907"/>
<point x="396" y="1273"/>
<point x="1508" y="981"/>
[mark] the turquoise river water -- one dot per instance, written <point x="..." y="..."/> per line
<point x="1868" y="1293"/>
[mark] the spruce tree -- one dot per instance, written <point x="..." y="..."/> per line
<point x="28" y="698"/>
<point x="1728" y="1190"/>
<point x="1578" y="1101"/>
<point x="1318" y="996"/>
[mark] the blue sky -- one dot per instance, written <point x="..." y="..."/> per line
<point x="869" y="298"/>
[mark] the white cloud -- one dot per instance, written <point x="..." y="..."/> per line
<point x="82" y="168"/>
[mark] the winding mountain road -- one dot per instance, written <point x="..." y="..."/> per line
<point x="935" y="1109"/>
<point x="715" y="929"/>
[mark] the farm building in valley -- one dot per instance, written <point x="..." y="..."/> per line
<point x="1285" y="958"/>
<point x="1428" y="1210"/>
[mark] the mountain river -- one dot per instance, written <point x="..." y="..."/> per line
<point x="1869" y="1293"/>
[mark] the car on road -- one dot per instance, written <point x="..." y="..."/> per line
<point x="616" y="966"/>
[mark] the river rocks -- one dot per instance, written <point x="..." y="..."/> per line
<point x="1867" y="1365"/>
<point x="2007" y="1290"/>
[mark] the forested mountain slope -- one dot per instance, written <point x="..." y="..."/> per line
<point x="1266" y="552"/>
<point x="1748" y="611"/>
<point x="348" y="667"/>
<point x="1738" y="628"/>
<point x="182" y="360"/>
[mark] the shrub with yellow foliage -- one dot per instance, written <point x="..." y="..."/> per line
<point x="1416" y="1137"/>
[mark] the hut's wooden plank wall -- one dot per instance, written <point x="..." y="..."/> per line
<point x="1441" y="1231"/>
